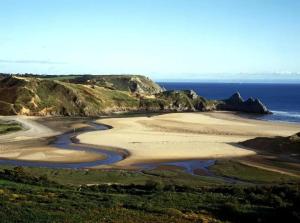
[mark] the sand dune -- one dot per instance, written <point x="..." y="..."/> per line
<point x="183" y="135"/>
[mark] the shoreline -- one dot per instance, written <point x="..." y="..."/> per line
<point x="127" y="154"/>
<point x="229" y="117"/>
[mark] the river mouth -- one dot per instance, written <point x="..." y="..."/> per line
<point x="68" y="141"/>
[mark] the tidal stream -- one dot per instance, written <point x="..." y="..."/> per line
<point x="68" y="141"/>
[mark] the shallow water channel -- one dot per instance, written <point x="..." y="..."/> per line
<point x="68" y="141"/>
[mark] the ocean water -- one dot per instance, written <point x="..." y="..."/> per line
<point x="282" y="99"/>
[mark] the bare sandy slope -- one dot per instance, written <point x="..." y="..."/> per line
<point x="183" y="135"/>
<point x="21" y="145"/>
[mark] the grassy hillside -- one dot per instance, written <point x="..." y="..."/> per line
<point x="34" y="96"/>
<point x="90" y="95"/>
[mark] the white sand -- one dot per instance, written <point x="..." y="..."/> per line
<point x="183" y="135"/>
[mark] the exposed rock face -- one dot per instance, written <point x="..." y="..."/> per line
<point x="237" y="103"/>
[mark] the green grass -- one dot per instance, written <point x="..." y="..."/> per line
<point x="27" y="198"/>
<point x="9" y="126"/>
<point x="236" y="170"/>
<point x="81" y="177"/>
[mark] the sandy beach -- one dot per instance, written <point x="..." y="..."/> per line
<point x="183" y="136"/>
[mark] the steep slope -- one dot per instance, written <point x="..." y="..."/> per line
<point x="34" y="96"/>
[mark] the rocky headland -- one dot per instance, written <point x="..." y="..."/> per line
<point x="94" y="95"/>
<point x="237" y="103"/>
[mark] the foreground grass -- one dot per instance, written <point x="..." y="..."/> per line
<point x="28" y="198"/>
<point x="9" y="126"/>
<point x="94" y="176"/>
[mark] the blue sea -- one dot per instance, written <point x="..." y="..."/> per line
<point x="282" y="99"/>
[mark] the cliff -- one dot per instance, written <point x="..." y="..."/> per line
<point x="89" y="95"/>
<point x="94" y="95"/>
<point x="40" y="96"/>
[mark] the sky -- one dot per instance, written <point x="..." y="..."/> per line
<point x="221" y="40"/>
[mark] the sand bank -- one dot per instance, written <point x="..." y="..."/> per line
<point x="50" y="154"/>
<point x="183" y="136"/>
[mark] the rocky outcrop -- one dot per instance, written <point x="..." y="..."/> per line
<point x="183" y="100"/>
<point x="168" y="101"/>
<point x="237" y="103"/>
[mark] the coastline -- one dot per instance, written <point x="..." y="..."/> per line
<point x="221" y="141"/>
